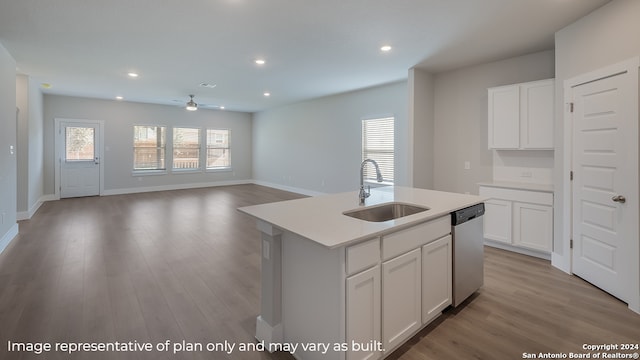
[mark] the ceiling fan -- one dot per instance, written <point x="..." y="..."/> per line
<point x="191" y="105"/>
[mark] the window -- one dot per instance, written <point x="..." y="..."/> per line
<point x="149" y="147"/>
<point x="218" y="149"/>
<point x="79" y="143"/>
<point x="377" y="144"/>
<point x="186" y="149"/>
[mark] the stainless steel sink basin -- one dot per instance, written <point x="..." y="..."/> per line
<point x="386" y="211"/>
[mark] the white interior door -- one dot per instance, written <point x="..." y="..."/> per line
<point x="605" y="186"/>
<point x="79" y="159"/>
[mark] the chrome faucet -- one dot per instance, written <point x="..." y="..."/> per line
<point x="366" y="193"/>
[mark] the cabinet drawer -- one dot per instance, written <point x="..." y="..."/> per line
<point x="414" y="237"/>
<point x="534" y="197"/>
<point x="362" y="255"/>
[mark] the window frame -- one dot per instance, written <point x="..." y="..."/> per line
<point x="206" y="151"/>
<point x="173" y="149"/>
<point x="151" y="171"/>
<point x="366" y="151"/>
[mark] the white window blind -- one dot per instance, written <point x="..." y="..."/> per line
<point x="377" y="144"/>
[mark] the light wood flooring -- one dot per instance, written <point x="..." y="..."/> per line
<point x="185" y="265"/>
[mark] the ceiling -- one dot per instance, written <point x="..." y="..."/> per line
<point x="312" y="48"/>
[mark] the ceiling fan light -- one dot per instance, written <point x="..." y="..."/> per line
<point x="191" y="105"/>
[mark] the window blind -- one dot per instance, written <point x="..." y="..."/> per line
<point x="378" y="145"/>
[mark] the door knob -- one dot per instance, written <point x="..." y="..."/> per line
<point x="619" y="199"/>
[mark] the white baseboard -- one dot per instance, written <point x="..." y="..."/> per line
<point x="519" y="250"/>
<point x="174" y="187"/>
<point x="6" y="238"/>
<point x="561" y="262"/>
<point x="26" y="215"/>
<point x="288" y="188"/>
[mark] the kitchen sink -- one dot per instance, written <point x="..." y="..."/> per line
<point x="386" y="211"/>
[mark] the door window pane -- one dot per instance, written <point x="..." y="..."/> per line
<point x="79" y="143"/>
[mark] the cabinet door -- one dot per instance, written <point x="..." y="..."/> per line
<point x="533" y="226"/>
<point x="504" y="117"/>
<point x="537" y="114"/>
<point x="363" y="311"/>
<point x="436" y="278"/>
<point x="401" y="304"/>
<point x="497" y="220"/>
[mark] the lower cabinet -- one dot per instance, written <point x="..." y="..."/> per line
<point x="519" y="218"/>
<point x="401" y="304"/>
<point x="436" y="278"/>
<point x="395" y="285"/>
<point x="532" y="226"/>
<point x="363" y="311"/>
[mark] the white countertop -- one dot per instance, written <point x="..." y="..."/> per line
<point x="321" y="218"/>
<point x="519" y="185"/>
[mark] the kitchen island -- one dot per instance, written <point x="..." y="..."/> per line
<point x="338" y="287"/>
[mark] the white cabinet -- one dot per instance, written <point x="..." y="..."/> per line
<point x="497" y="224"/>
<point x="363" y="311"/>
<point x="401" y="301"/>
<point x="521" y="116"/>
<point x="532" y="226"/>
<point x="436" y="278"/>
<point x="519" y="218"/>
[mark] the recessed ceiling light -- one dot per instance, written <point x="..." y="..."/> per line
<point x="46" y="85"/>
<point x="260" y="61"/>
<point x="267" y="94"/>
<point x="221" y="107"/>
<point x="133" y="75"/>
<point x="385" y="48"/>
<point x="207" y="85"/>
<point x="119" y="98"/>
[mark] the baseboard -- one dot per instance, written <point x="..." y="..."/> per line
<point x="561" y="262"/>
<point x="26" y="215"/>
<point x="534" y="253"/>
<point x="10" y="235"/>
<point x="174" y="187"/>
<point x="288" y="188"/>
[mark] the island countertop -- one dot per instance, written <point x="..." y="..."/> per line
<point x="321" y="219"/>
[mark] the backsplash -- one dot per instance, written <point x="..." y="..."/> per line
<point x="534" y="166"/>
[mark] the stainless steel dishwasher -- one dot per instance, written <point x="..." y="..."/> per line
<point x="468" y="252"/>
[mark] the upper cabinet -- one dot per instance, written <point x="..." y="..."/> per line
<point x="521" y="116"/>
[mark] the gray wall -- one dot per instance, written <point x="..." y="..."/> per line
<point x="8" y="172"/>
<point x="460" y="108"/>
<point x="119" y="118"/>
<point x="604" y="37"/>
<point x="315" y="146"/>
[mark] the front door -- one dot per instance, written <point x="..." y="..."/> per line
<point x="605" y="186"/>
<point x="80" y="160"/>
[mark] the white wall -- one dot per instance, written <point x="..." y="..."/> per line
<point x="119" y="118"/>
<point x="606" y="36"/>
<point x="22" y="142"/>
<point x="8" y="128"/>
<point x="421" y="113"/>
<point x="315" y="146"/>
<point x="460" y="121"/>
<point x="30" y="146"/>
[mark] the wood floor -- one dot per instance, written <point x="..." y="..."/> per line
<point x="185" y="265"/>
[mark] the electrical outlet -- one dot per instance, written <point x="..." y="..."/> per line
<point x="266" y="250"/>
<point x="467" y="165"/>
<point x="526" y="174"/>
